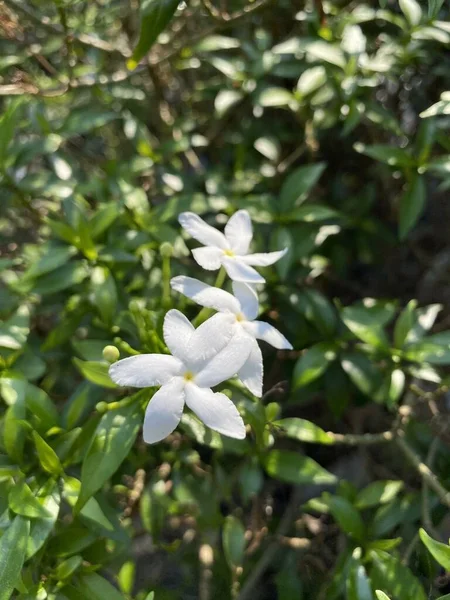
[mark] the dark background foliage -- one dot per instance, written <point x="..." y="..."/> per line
<point x="328" y="122"/>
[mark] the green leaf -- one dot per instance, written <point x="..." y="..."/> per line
<point x="378" y="492"/>
<point x="52" y="257"/>
<point x="312" y="364"/>
<point x="365" y="324"/>
<point x="14" y="331"/>
<point x="23" y="502"/>
<point x="312" y="213"/>
<point x="304" y="431"/>
<point x="404" y="323"/>
<point x="66" y="568"/>
<point x="394" y="157"/>
<point x="362" y="371"/>
<point x="94" y="587"/>
<point x="412" y="204"/>
<point x="381" y="595"/>
<point x="412" y="11"/>
<point x="40" y="529"/>
<point x="311" y="80"/>
<point x="233" y="540"/>
<point x="297" y="186"/>
<point x="389" y="573"/>
<point x="13" y="546"/>
<point x="8" y="122"/>
<point x="274" y="97"/>
<point x="346" y="515"/>
<point x="155" y="16"/>
<point x="358" y="584"/>
<point x="47" y="456"/>
<point x="268" y="147"/>
<point x="319" y="311"/>
<point x="95" y="372"/>
<point x="104" y="293"/>
<point x="103" y="219"/>
<point x="87" y="118"/>
<point x="439" y="551"/>
<point x="70" y="274"/>
<point x="295" y="468"/>
<point x="113" y="439"/>
<point x="329" y="53"/>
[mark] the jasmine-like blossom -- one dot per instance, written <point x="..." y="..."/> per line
<point x="243" y="307"/>
<point x="229" y="249"/>
<point x="201" y="359"/>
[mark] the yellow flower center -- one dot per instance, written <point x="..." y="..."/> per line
<point x="240" y="317"/>
<point x="188" y="376"/>
<point x="229" y="253"/>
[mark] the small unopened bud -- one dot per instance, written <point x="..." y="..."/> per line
<point x="101" y="407"/>
<point x="111" y="354"/>
<point x="166" y="250"/>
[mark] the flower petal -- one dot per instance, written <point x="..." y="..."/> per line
<point x="209" y="257"/>
<point x="177" y="331"/>
<point x="205" y="295"/>
<point x="239" y="271"/>
<point x="268" y="333"/>
<point x="145" y="370"/>
<point x="226" y="363"/>
<point x="251" y="374"/>
<point x="248" y="299"/>
<point x="239" y="232"/>
<point x="201" y="231"/>
<point x="263" y="259"/>
<point x="164" y="411"/>
<point x="209" y="339"/>
<point x="215" y="410"/>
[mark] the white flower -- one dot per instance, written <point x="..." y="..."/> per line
<point x="202" y="358"/>
<point x="243" y="306"/>
<point x="229" y="249"/>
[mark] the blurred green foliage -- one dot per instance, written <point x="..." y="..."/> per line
<point x="328" y="121"/>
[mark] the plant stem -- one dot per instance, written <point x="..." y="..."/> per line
<point x="207" y="312"/>
<point x="166" y="299"/>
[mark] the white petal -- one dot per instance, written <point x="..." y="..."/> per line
<point x="239" y="271"/>
<point x="248" y="299"/>
<point x="164" y="411"/>
<point x="209" y="257"/>
<point x="263" y="259"/>
<point x="215" y="410"/>
<point x="251" y="374"/>
<point x="177" y="331"/>
<point x="201" y="231"/>
<point x="145" y="370"/>
<point x="238" y="232"/>
<point x="205" y="295"/>
<point x="210" y="338"/>
<point x="268" y="333"/>
<point x="226" y="363"/>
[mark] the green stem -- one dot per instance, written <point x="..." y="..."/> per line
<point x="207" y="312"/>
<point x="166" y="299"/>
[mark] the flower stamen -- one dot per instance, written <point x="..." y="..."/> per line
<point x="229" y="253"/>
<point x="188" y="376"/>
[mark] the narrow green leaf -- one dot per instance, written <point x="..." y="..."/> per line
<point x="13" y="546"/>
<point x="412" y="11"/>
<point x="233" y="539"/>
<point x="297" y="186"/>
<point x="295" y="468"/>
<point x="94" y="587"/>
<point x="440" y="551"/>
<point x="365" y="324"/>
<point x="303" y="430"/>
<point x="346" y="515"/>
<point x="23" y="502"/>
<point x="362" y="371"/>
<point x="95" y="372"/>
<point x="381" y="595"/>
<point x="155" y="16"/>
<point x="47" y="456"/>
<point x="412" y="204"/>
<point x="312" y="364"/>
<point x="112" y="441"/>
<point x="358" y="583"/>
<point x="378" y="492"/>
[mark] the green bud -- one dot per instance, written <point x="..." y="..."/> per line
<point x="101" y="407"/>
<point x="166" y="250"/>
<point x="111" y="354"/>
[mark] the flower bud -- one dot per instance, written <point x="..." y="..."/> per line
<point x="111" y="354"/>
<point x="166" y="250"/>
<point x="101" y="407"/>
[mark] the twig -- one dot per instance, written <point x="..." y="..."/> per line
<point x="82" y="38"/>
<point x="226" y="17"/>
<point x="247" y="591"/>
<point x="423" y="470"/>
<point x="364" y="439"/>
